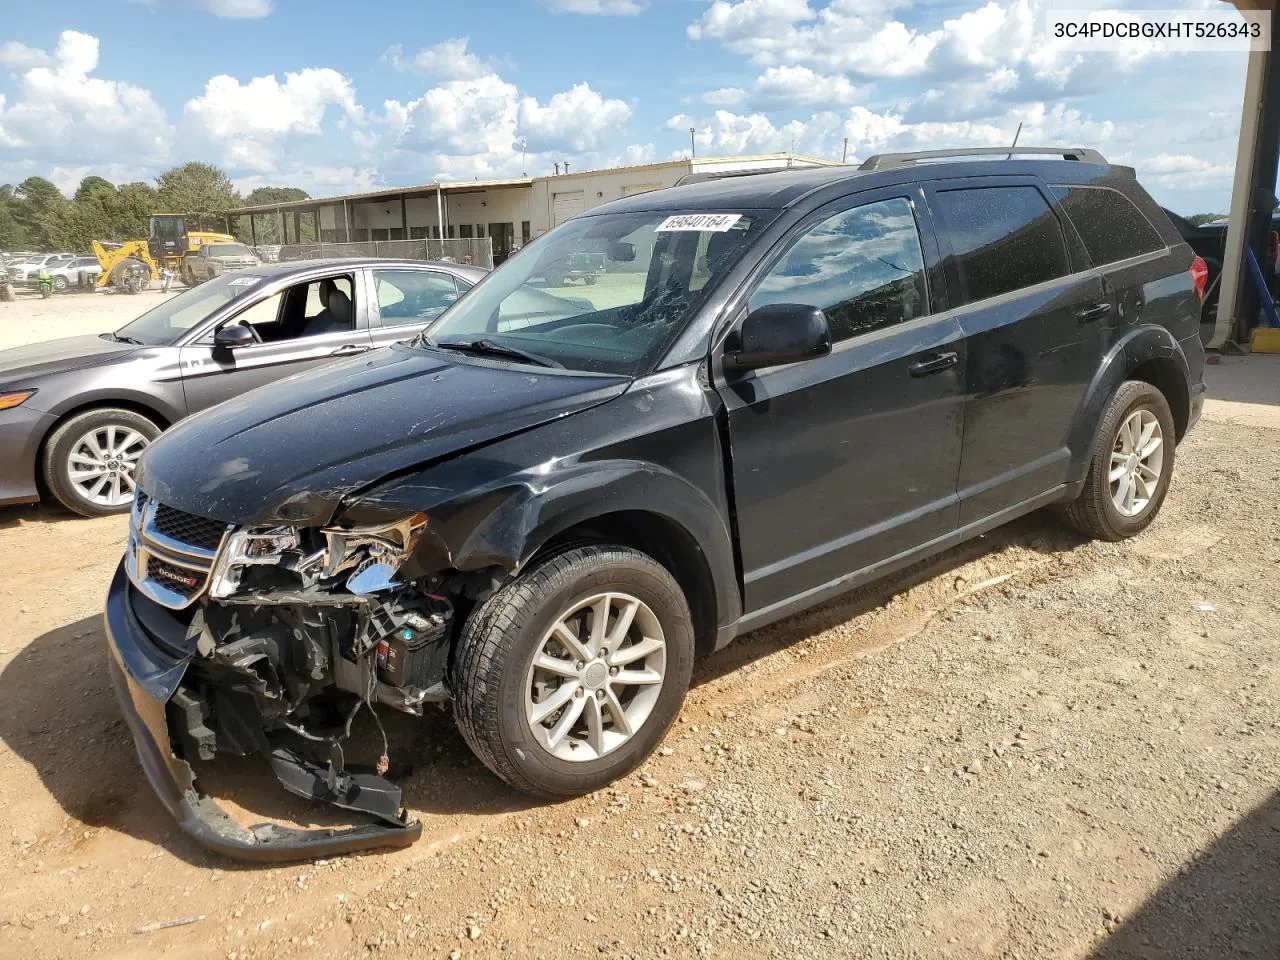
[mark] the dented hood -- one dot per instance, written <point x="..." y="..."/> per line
<point x="292" y="450"/>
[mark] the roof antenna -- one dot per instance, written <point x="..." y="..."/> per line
<point x="1015" y="141"/>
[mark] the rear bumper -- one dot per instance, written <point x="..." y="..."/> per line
<point x="145" y="677"/>
<point x="21" y="430"/>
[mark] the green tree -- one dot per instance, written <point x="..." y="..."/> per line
<point x="38" y="200"/>
<point x="1200" y="219"/>
<point x="13" y="232"/>
<point x="263" y="195"/>
<point x="92" y="187"/>
<point x="195" y="188"/>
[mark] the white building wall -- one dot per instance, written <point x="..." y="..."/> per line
<point x="600" y="186"/>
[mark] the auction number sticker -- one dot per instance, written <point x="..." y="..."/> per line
<point x="709" y="222"/>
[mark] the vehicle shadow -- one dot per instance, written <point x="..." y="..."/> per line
<point x="1224" y="903"/>
<point x="58" y="713"/>
<point x="16" y="515"/>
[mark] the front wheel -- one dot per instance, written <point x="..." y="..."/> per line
<point x="89" y="461"/>
<point x="569" y="676"/>
<point x="60" y="284"/>
<point x="1130" y="465"/>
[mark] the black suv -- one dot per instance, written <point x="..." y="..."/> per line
<point x="544" y="507"/>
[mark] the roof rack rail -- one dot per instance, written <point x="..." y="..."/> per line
<point x="887" y="161"/>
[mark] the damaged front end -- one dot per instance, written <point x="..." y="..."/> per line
<point x="271" y="640"/>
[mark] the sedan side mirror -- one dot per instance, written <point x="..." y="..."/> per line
<point x="233" y="335"/>
<point x="780" y="333"/>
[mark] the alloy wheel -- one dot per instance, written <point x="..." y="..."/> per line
<point x="102" y="462"/>
<point x="1137" y="459"/>
<point x="595" y="677"/>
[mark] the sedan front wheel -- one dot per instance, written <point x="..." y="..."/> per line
<point x="89" y="461"/>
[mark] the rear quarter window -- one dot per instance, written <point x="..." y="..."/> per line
<point x="1001" y="239"/>
<point x="1111" y="227"/>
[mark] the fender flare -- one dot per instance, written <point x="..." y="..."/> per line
<point x="1136" y="347"/>
<point x="505" y="526"/>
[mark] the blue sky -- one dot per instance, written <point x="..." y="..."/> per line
<point x="333" y="96"/>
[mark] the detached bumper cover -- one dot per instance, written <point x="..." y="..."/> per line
<point x="144" y="678"/>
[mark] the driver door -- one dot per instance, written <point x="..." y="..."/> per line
<point x="213" y="374"/>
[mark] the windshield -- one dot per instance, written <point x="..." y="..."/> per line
<point x="227" y="250"/>
<point x="606" y="294"/>
<point x="174" y="317"/>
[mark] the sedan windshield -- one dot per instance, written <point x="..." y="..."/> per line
<point x="173" y="318"/>
<point x="606" y="294"/>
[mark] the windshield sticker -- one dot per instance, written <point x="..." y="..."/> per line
<point x="709" y="222"/>
<point x="242" y="282"/>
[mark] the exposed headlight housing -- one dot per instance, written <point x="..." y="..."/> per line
<point x="374" y="554"/>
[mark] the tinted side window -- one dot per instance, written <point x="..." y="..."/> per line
<point x="1111" y="227"/>
<point x="862" y="267"/>
<point x="1002" y="238"/>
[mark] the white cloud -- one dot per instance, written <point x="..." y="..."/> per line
<point x="578" y="118"/>
<point x="18" y="56"/>
<point x="448" y="60"/>
<point x="599" y="8"/>
<point x="63" y="113"/>
<point x="780" y="88"/>
<point x="237" y="9"/>
<point x="249" y="121"/>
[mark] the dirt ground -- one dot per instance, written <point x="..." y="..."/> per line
<point x="1033" y="746"/>
<point x="31" y="319"/>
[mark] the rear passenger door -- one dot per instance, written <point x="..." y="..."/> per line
<point x="850" y="459"/>
<point x="1033" y="315"/>
<point x="405" y="300"/>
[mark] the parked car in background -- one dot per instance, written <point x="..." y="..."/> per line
<point x="75" y="414"/>
<point x="66" y="275"/>
<point x="24" y="272"/>
<point x="215" y="259"/>
<point x="1209" y="240"/>
<point x="542" y="514"/>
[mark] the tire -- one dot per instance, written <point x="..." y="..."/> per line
<point x="71" y="438"/>
<point x="494" y="676"/>
<point x="1095" y="513"/>
<point x="60" y="284"/>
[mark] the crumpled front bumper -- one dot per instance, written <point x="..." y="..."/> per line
<point x="145" y="677"/>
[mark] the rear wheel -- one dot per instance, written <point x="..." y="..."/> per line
<point x="568" y="677"/>
<point x="89" y="461"/>
<point x="1130" y="466"/>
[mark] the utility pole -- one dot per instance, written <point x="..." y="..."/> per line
<point x="524" y="146"/>
<point x="844" y="154"/>
<point x="693" y="144"/>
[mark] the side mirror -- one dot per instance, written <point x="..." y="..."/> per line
<point x="780" y="333"/>
<point x="233" y="335"/>
<point x="622" y="252"/>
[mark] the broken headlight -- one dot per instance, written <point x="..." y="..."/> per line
<point x="372" y="555"/>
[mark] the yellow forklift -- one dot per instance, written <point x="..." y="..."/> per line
<point x="132" y="264"/>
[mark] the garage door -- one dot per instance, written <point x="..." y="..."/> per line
<point x="631" y="189"/>
<point x="566" y="205"/>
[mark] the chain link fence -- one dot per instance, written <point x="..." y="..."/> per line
<point x="477" y="251"/>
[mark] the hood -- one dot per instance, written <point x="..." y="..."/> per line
<point x="292" y="450"/>
<point x="22" y="364"/>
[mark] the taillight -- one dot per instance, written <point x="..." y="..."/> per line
<point x="1199" y="276"/>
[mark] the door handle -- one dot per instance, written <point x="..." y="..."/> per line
<point x="1095" y="311"/>
<point x="349" y="350"/>
<point x="935" y="364"/>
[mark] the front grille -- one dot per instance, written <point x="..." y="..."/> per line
<point x="180" y="579"/>
<point x="188" y="528"/>
<point x="171" y="553"/>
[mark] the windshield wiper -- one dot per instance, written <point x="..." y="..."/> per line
<point x="119" y="339"/>
<point x="490" y="348"/>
